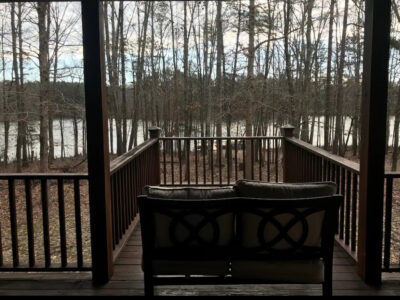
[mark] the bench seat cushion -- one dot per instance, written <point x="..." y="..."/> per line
<point x="290" y="270"/>
<point x="190" y="193"/>
<point x="259" y="189"/>
<point x="181" y="267"/>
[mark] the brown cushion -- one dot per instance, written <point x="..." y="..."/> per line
<point x="259" y="189"/>
<point x="166" y="192"/>
<point x="251" y="222"/>
<point x="171" y="267"/>
<point x="290" y="270"/>
<point x="190" y="192"/>
<point x="163" y="223"/>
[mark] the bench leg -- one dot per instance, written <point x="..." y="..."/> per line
<point x="327" y="289"/>
<point x="148" y="284"/>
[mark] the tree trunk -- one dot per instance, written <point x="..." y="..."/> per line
<point x="288" y="64"/>
<point x="328" y="78"/>
<point x="43" y="23"/>
<point x="17" y="89"/>
<point x="250" y="89"/>
<point x="396" y="132"/>
<point x="338" y="143"/>
<point x="219" y="79"/>
<point x="5" y="100"/>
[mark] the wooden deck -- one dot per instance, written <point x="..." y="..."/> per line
<point x="128" y="281"/>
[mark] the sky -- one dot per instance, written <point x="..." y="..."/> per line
<point x="70" y="58"/>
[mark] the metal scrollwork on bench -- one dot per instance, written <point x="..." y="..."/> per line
<point x="271" y="217"/>
<point x="207" y="218"/>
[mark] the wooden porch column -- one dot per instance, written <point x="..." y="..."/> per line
<point x="155" y="133"/>
<point x="373" y="131"/>
<point x="97" y="141"/>
<point x="287" y="131"/>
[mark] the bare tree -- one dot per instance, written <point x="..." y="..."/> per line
<point x="44" y="24"/>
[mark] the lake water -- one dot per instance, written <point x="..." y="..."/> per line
<point x="238" y="128"/>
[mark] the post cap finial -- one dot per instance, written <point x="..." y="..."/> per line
<point x="287" y="130"/>
<point x="154" y="132"/>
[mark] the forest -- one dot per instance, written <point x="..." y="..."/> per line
<point x="192" y="68"/>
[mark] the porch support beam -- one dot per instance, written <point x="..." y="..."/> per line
<point x="373" y="131"/>
<point x="97" y="141"/>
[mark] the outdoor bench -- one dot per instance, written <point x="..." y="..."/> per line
<point x="228" y="235"/>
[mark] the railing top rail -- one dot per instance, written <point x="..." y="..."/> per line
<point x="223" y="138"/>
<point x="124" y="159"/>
<point x="392" y="175"/>
<point x="48" y="176"/>
<point x="343" y="162"/>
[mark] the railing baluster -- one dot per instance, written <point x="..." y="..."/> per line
<point x="188" y="161"/>
<point x="220" y="160"/>
<point x="260" y="158"/>
<point x="121" y="206"/>
<point x="13" y="222"/>
<point x="268" y="161"/>
<point x="228" y="160"/>
<point x="78" y="223"/>
<point x="165" y="161"/>
<point x="126" y="198"/>
<point x="196" y="161"/>
<point x="212" y="160"/>
<point x="337" y="172"/>
<point x="347" y="212"/>
<point x="320" y="176"/>
<point x="252" y="158"/>
<point x="45" y="216"/>
<point x="61" y="215"/>
<point x="135" y="185"/>
<point x="236" y="159"/>
<point x="29" y="223"/>
<point x="172" y="162"/>
<point x="244" y="158"/>
<point x="388" y="222"/>
<point x="204" y="146"/>
<point x="115" y="209"/>
<point x="1" y="248"/>
<point x="328" y="175"/>
<point x="343" y="187"/>
<point x="354" y="213"/>
<point x="131" y="192"/>
<point x="180" y="160"/>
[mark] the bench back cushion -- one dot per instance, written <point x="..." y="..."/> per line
<point x="182" y="229"/>
<point x="286" y="228"/>
<point x="268" y="190"/>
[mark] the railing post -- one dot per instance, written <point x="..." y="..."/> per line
<point x="97" y="142"/>
<point x="154" y="133"/>
<point x="287" y="132"/>
<point x="373" y="132"/>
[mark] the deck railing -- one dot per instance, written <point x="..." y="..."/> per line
<point x="210" y="161"/>
<point x="129" y="174"/>
<point x="45" y="218"/>
<point x="391" y="234"/>
<point x="307" y="163"/>
<point x="46" y="224"/>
